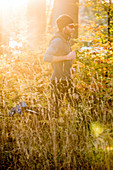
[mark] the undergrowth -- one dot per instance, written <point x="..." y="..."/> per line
<point x="81" y="138"/>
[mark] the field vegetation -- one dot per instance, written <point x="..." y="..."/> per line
<point x="80" y="138"/>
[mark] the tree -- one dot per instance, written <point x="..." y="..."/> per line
<point x="66" y="7"/>
<point x="36" y="20"/>
<point x="102" y="15"/>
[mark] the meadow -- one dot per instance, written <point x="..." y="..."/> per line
<point x="81" y="138"/>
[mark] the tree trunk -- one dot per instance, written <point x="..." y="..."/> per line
<point x="109" y="18"/>
<point x="36" y="17"/>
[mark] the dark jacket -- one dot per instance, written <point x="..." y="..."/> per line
<point x="59" y="46"/>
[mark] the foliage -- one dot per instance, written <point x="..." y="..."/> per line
<point x="69" y="142"/>
<point x="101" y="15"/>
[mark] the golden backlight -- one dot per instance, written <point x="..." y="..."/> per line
<point x="14" y="3"/>
<point x="16" y="19"/>
<point x="18" y="3"/>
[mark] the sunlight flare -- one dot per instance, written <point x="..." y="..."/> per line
<point x="14" y="3"/>
<point x="96" y="129"/>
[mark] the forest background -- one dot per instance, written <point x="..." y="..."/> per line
<point x="80" y="138"/>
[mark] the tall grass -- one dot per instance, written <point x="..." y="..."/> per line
<point x="80" y="138"/>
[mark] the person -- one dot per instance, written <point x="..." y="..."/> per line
<point x="60" y="55"/>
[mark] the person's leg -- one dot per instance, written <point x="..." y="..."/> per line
<point x="57" y="94"/>
<point x="72" y="95"/>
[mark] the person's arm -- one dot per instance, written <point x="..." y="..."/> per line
<point x="54" y="47"/>
<point x="70" y="56"/>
